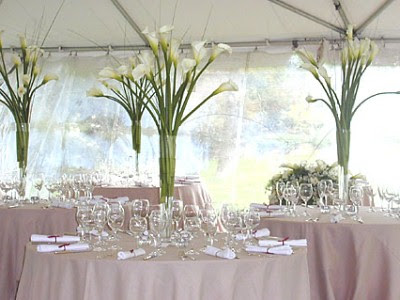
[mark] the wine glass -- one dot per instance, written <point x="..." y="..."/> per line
<point x="209" y="218"/>
<point x="191" y="215"/>
<point x="38" y="182"/>
<point x="176" y="212"/>
<point x="251" y="221"/>
<point x="291" y="196"/>
<point x="116" y="216"/>
<point x="140" y="207"/>
<point x="137" y="226"/>
<point x="84" y="219"/>
<point x="100" y="215"/>
<point x="157" y="223"/>
<point x="306" y="193"/>
<point x="234" y="226"/>
<point x="356" y="195"/>
<point x="323" y="187"/>
<point x="279" y="187"/>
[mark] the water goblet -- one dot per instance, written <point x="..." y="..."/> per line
<point x="279" y="187"/>
<point x="157" y="222"/>
<point x="191" y="215"/>
<point x="251" y="221"/>
<point x="306" y="193"/>
<point x="116" y="217"/>
<point x="137" y="226"/>
<point x="100" y="214"/>
<point x="356" y="195"/>
<point x="176" y="213"/>
<point x="209" y="218"/>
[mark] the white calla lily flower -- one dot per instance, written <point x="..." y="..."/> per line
<point x="16" y="60"/>
<point x="174" y="50"/>
<point x="94" y="92"/>
<point x="226" y="87"/>
<point x="349" y="32"/>
<point x="49" y="77"/>
<point x="139" y="71"/>
<point x="310" y="99"/>
<point x="218" y="49"/>
<point x="164" y="32"/>
<point x="21" y="91"/>
<point x="123" y="70"/>
<point x="187" y="65"/>
<point x="1" y="41"/>
<point x="109" y="73"/>
<point x="309" y="67"/>
<point x="152" y="39"/>
<point x="199" y="51"/>
<point x="26" y="79"/>
<point x="22" y="41"/>
<point x="373" y="52"/>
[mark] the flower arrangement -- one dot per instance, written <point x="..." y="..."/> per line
<point x="172" y="78"/>
<point x="356" y="57"/>
<point x="20" y="83"/>
<point x="305" y="173"/>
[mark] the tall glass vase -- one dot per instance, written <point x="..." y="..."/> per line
<point x="136" y="130"/>
<point x="343" y="153"/>
<point x="22" y="139"/>
<point x="167" y="167"/>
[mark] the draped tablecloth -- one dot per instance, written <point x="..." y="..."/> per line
<point x="193" y="193"/>
<point x="83" y="276"/>
<point x="348" y="260"/>
<point x="17" y="225"/>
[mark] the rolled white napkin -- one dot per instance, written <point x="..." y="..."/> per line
<point x="293" y="243"/>
<point x="279" y="250"/>
<point x="259" y="233"/>
<point x="129" y="254"/>
<point x="40" y="238"/>
<point x="65" y="247"/>
<point x="221" y="253"/>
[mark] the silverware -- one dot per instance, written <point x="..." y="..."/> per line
<point x="150" y="256"/>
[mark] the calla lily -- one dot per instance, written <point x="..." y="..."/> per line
<point x="174" y="51"/>
<point x="22" y="41"/>
<point x="220" y="48"/>
<point x="187" y="65"/>
<point x="147" y="59"/>
<point x="49" y="77"/>
<point x="306" y="57"/>
<point x="109" y="73"/>
<point x="164" y="32"/>
<point x="94" y="92"/>
<point x="310" y="99"/>
<point x="21" y="91"/>
<point x="134" y="61"/>
<point x="16" y="60"/>
<point x="36" y="71"/>
<point x="365" y="46"/>
<point x="26" y="79"/>
<point x="1" y="41"/>
<point x="344" y="56"/>
<point x="199" y="51"/>
<point x="374" y="51"/>
<point x="139" y="71"/>
<point x="226" y="87"/>
<point x="349" y="32"/>
<point x="123" y="70"/>
<point x="309" y="67"/>
<point x="152" y="39"/>
<point x="322" y="71"/>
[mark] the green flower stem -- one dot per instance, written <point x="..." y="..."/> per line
<point x="22" y="139"/>
<point x="167" y="166"/>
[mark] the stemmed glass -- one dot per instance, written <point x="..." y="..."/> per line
<point x="251" y="221"/>
<point x="291" y="196"/>
<point x="176" y="213"/>
<point x="280" y="186"/>
<point x="157" y="222"/>
<point x="100" y="215"/>
<point x="306" y="193"/>
<point x="323" y="187"/>
<point x="116" y="216"/>
<point x="234" y="226"/>
<point x="191" y="215"/>
<point x="140" y="207"/>
<point x="209" y="224"/>
<point x="38" y="182"/>
<point x="84" y="219"/>
<point x="390" y="195"/>
<point x="137" y="226"/>
<point x="370" y="192"/>
<point x="356" y="195"/>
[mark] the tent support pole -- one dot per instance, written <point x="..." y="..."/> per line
<point x="340" y="10"/>
<point x="375" y="14"/>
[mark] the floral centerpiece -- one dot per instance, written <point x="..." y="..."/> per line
<point x="172" y="78"/>
<point x="20" y="83"/>
<point x="131" y="97"/>
<point x="356" y="57"/>
<point x="302" y="173"/>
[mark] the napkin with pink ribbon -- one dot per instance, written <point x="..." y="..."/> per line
<point x="63" y="247"/>
<point x="221" y="253"/>
<point x="41" y="238"/>
<point x="293" y="243"/>
<point x="278" y="250"/>
<point x="130" y="254"/>
<point x="258" y="234"/>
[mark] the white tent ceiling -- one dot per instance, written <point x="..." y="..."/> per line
<point x="83" y="23"/>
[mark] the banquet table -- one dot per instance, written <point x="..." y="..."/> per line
<point x="17" y="225"/>
<point x="193" y="193"/>
<point x="90" y="276"/>
<point x="347" y="260"/>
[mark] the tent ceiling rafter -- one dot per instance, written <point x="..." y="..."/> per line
<point x="308" y="16"/>
<point x="372" y="17"/>
<point x="129" y="19"/>
<point x="340" y="10"/>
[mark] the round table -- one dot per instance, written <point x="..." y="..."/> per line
<point x="347" y="260"/>
<point x="87" y="276"/>
<point x="17" y="225"/>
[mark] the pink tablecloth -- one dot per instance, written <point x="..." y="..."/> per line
<point x="83" y="276"/>
<point x="348" y="260"/>
<point x="190" y="194"/>
<point x="16" y="227"/>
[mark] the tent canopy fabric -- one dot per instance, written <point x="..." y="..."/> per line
<point x="88" y="23"/>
